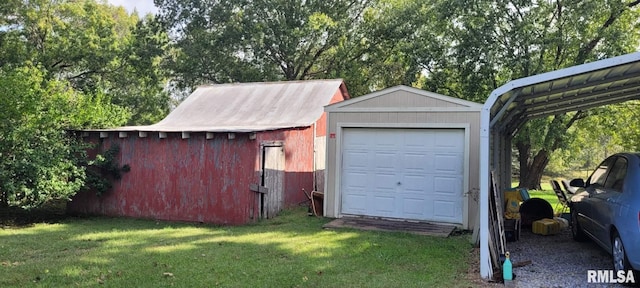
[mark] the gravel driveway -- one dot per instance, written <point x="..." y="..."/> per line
<point x="557" y="260"/>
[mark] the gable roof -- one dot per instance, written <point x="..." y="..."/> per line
<point x="438" y="102"/>
<point x="248" y="107"/>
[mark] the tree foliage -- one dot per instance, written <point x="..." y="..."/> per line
<point x="364" y="42"/>
<point x="609" y="129"/>
<point x="97" y="48"/>
<point x="104" y="169"/>
<point x="68" y="65"/>
<point x="244" y="41"/>
<point x="492" y="42"/>
<point x="37" y="157"/>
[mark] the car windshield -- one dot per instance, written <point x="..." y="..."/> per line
<point x="615" y="180"/>
<point x="599" y="176"/>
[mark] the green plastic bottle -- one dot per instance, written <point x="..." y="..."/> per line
<point x="507" y="272"/>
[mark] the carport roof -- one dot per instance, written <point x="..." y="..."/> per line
<point x="581" y="87"/>
<point x="575" y="88"/>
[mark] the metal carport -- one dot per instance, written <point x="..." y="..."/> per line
<point x="580" y="87"/>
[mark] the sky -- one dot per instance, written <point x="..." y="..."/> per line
<point x="143" y="6"/>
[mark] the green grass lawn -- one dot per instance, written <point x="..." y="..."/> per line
<point x="291" y="250"/>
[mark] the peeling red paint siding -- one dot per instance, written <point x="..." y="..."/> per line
<point x="198" y="179"/>
<point x="194" y="179"/>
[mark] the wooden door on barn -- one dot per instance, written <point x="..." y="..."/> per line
<point x="273" y="179"/>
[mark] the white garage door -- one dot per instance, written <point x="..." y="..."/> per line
<point x="403" y="173"/>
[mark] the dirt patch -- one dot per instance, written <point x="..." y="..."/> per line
<point x="473" y="273"/>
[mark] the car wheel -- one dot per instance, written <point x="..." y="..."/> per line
<point x="619" y="255"/>
<point x="620" y="261"/>
<point x="576" y="230"/>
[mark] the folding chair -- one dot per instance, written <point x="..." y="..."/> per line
<point x="562" y="198"/>
<point x="570" y="189"/>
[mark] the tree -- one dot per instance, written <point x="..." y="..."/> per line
<point x="496" y="41"/>
<point x="64" y="66"/>
<point x="140" y="82"/>
<point x="37" y="157"/>
<point x="624" y="127"/>
<point x="97" y="48"/>
<point x="231" y="41"/>
<point x="387" y="39"/>
<point x="361" y="41"/>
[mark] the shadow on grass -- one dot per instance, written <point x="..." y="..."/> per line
<point x="15" y="217"/>
<point x="291" y="250"/>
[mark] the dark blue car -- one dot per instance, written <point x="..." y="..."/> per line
<point x="606" y="208"/>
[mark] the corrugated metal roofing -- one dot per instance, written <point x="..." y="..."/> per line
<point x="575" y="88"/>
<point x="581" y="87"/>
<point x="247" y="107"/>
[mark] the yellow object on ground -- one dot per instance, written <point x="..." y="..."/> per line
<point x="512" y="207"/>
<point x="546" y="227"/>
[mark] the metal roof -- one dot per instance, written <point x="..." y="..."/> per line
<point x="575" y="88"/>
<point x="580" y="87"/>
<point x="248" y="107"/>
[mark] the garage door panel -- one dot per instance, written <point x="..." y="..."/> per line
<point x="383" y="205"/>
<point x="417" y="140"/>
<point x="416" y="162"/>
<point x="447" y="185"/>
<point x="385" y="160"/>
<point x="452" y="140"/>
<point x="355" y="180"/>
<point x="356" y="159"/>
<point x="448" y="164"/>
<point x="444" y="210"/>
<point x="355" y="203"/>
<point x="414" y="207"/>
<point x="383" y="183"/>
<point x="403" y="173"/>
<point x="414" y="183"/>
<point x="356" y="139"/>
<point x="385" y="142"/>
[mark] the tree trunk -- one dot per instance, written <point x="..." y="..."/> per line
<point x="535" y="170"/>
<point x="523" y="159"/>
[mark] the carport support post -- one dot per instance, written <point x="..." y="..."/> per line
<point x="485" y="129"/>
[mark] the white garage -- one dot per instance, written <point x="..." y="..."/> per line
<point x="403" y="153"/>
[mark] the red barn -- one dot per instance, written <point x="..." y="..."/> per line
<point x="228" y="154"/>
